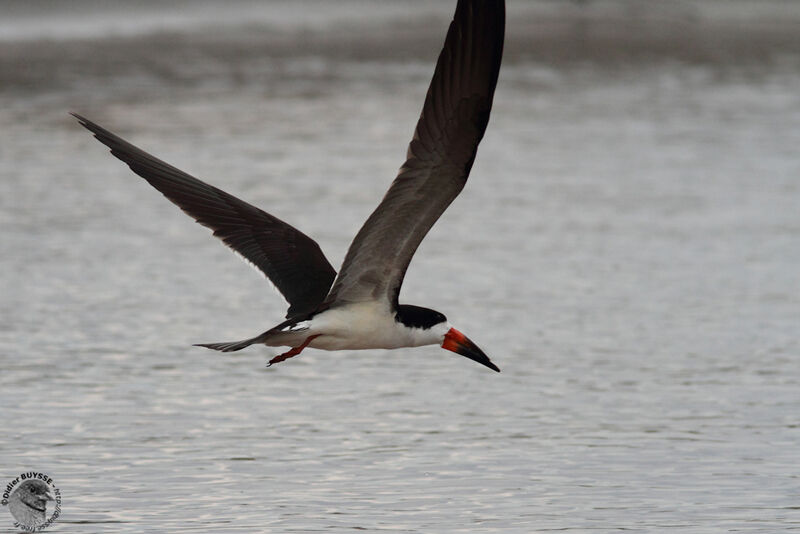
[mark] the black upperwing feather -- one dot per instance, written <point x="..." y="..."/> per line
<point x="440" y="156"/>
<point x="291" y="260"/>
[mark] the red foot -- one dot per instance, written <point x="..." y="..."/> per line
<point x="292" y="352"/>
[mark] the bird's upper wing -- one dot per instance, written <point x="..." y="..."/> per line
<point x="291" y="260"/>
<point x="440" y="156"/>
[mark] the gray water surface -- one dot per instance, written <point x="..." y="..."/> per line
<point x="626" y="250"/>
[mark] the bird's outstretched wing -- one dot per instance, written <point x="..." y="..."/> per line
<point x="440" y="156"/>
<point x="291" y="260"/>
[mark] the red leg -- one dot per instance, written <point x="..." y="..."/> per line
<point x="292" y="352"/>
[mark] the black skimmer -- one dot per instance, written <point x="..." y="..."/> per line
<point x="359" y="308"/>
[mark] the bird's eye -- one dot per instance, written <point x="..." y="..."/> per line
<point x="32" y="489"/>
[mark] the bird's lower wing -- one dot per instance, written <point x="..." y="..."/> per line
<point x="291" y="260"/>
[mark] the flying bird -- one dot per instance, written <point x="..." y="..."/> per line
<point x="358" y="308"/>
<point x="28" y="503"/>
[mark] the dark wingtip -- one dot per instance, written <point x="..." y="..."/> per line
<point x="83" y="120"/>
<point x="89" y="125"/>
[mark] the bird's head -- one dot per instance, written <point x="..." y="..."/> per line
<point x="437" y="330"/>
<point x="34" y="494"/>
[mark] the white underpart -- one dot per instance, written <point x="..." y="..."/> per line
<point x="363" y="325"/>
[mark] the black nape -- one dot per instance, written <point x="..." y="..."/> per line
<point x="418" y="317"/>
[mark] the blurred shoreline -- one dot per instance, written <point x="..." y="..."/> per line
<point x="51" y="49"/>
<point x="545" y="30"/>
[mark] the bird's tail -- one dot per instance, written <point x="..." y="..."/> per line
<point x="231" y="346"/>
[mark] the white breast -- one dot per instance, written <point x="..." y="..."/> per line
<point x="368" y="325"/>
